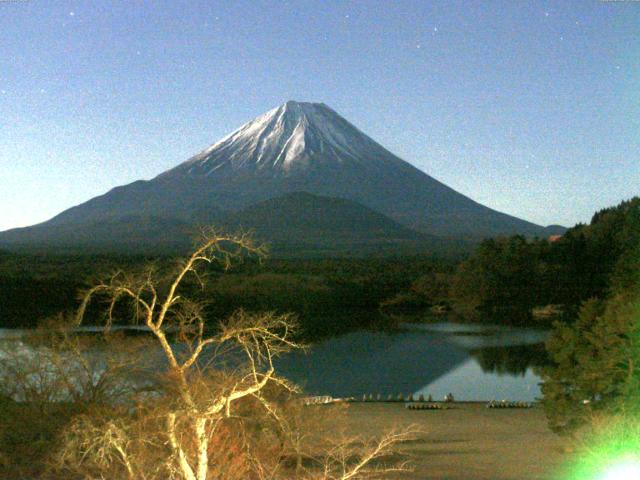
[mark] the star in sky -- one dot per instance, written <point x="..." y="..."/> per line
<point x="498" y="60"/>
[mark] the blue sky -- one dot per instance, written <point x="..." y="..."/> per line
<point x="530" y="107"/>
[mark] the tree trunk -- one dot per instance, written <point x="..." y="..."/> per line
<point x="183" y="464"/>
<point x="203" y="447"/>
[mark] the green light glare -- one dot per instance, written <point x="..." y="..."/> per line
<point x="611" y="452"/>
<point x="625" y="470"/>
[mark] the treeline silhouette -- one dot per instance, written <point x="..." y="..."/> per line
<point x="594" y="357"/>
<point x="328" y="295"/>
<point x="502" y="281"/>
<point x="507" y="277"/>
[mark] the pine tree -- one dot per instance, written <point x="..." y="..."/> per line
<point x="596" y="363"/>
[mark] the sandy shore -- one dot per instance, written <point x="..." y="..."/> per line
<point x="469" y="441"/>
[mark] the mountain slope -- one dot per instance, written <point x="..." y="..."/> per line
<point x="298" y="224"/>
<point x="311" y="224"/>
<point x="128" y="233"/>
<point x="302" y="216"/>
<point x="297" y="147"/>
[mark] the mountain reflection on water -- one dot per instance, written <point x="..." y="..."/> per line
<point x="474" y="362"/>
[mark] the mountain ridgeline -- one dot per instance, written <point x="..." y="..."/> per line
<point x="299" y="175"/>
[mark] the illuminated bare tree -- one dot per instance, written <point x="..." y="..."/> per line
<point x="358" y="459"/>
<point x="258" y="337"/>
<point x="195" y="425"/>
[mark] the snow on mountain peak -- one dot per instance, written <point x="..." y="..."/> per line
<point x="286" y="138"/>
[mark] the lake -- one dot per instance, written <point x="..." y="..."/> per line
<point x="473" y="362"/>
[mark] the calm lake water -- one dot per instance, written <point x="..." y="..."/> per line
<point x="473" y="362"/>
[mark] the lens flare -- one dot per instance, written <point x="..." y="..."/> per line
<point x="627" y="470"/>
<point x="610" y="452"/>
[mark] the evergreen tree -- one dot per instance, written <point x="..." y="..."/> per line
<point x="596" y="362"/>
<point x="500" y="278"/>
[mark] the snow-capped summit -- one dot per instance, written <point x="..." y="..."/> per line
<point x="286" y="138"/>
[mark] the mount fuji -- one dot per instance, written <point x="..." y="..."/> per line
<point x="296" y="147"/>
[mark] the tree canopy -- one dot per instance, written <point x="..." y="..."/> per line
<point x="588" y="261"/>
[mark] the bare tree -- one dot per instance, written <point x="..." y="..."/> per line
<point x="353" y="458"/>
<point x="201" y="421"/>
<point x="340" y="455"/>
<point x="202" y="405"/>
